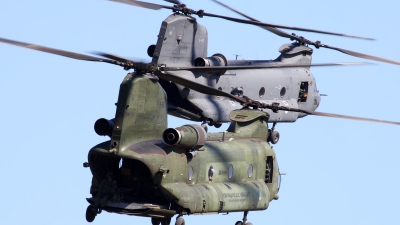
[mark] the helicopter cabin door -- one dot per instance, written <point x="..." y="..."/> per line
<point x="303" y="92"/>
<point x="269" y="170"/>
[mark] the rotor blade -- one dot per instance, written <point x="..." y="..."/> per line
<point x="284" y="34"/>
<point x="257" y="23"/>
<point x="173" y="1"/>
<point x="361" y="55"/>
<point x="271" y="29"/>
<point x="112" y="56"/>
<point x="143" y="4"/>
<point x="72" y="55"/>
<point x="223" y="68"/>
<point x="275" y="108"/>
<point x="349" y="117"/>
<point x="236" y="11"/>
<point x="170" y="76"/>
<point x="127" y="63"/>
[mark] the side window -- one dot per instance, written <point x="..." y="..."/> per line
<point x="190" y="173"/>
<point x="269" y="169"/>
<point x="230" y="171"/>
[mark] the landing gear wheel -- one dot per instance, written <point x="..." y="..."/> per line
<point x="249" y="223"/>
<point x="217" y="125"/>
<point x="90" y="213"/>
<point x="274" y="137"/>
<point x="239" y="223"/>
<point x="166" y="221"/>
<point x="180" y="221"/>
<point x="155" y="221"/>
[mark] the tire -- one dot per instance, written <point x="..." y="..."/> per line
<point x="166" y="221"/>
<point x="155" y="221"/>
<point x="217" y="125"/>
<point x="180" y="221"/>
<point x="274" y="137"/>
<point x="249" y="223"/>
<point x="239" y="223"/>
<point x="90" y="214"/>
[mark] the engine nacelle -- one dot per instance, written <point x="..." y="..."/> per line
<point x="186" y="137"/>
<point x="214" y="60"/>
<point x="104" y="127"/>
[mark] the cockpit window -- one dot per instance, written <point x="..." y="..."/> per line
<point x="315" y="87"/>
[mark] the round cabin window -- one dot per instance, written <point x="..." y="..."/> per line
<point x="190" y="173"/>
<point x="230" y="171"/>
<point x="261" y="92"/>
<point x="250" y="170"/>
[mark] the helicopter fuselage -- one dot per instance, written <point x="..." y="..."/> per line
<point x="162" y="172"/>
<point x="183" y="42"/>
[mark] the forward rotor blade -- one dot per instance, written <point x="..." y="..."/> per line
<point x="316" y="44"/>
<point x="173" y="1"/>
<point x="72" y="55"/>
<point x="224" y="68"/>
<point x="143" y="4"/>
<point x="309" y="112"/>
<point x="361" y="55"/>
<point x="349" y="117"/>
<point x="270" y="29"/>
<point x="258" y="23"/>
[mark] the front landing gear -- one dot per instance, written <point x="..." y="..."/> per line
<point x="91" y="213"/>
<point x="244" y="219"/>
<point x="273" y="136"/>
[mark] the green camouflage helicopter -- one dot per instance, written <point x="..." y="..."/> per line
<point x="162" y="172"/>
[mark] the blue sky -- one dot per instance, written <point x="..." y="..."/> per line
<point x="338" y="171"/>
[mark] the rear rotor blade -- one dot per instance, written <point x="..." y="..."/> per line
<point x="128" y="63"/>
<point x="224" y="68"/>
<point x="72" y="55"/>
<point x="143" y="4"/>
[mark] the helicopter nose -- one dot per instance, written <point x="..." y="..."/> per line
<point x="317" y="100"/>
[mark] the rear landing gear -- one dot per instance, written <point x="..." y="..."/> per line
<point x="244" y="219"/>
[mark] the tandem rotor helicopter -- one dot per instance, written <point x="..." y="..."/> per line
<point x="186" y="170"/>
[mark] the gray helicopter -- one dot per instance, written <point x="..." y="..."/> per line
<point x="182" y="48"/>
<point x="286" y="83"/>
